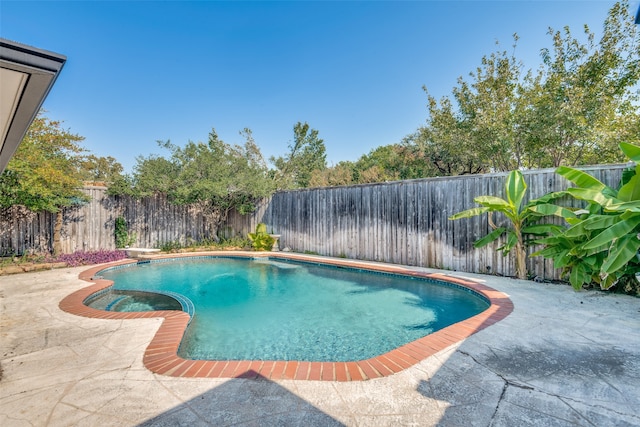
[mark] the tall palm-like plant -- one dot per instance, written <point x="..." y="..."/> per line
<point x="522" y="218"/>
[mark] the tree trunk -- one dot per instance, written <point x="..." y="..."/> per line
<point x="57" y="234"/>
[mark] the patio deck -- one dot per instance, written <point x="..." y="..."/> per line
<point x="560" y="358"/>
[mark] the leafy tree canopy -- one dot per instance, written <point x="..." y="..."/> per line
<point x="45" y="172"/>
<point x="216" y="177"/>
<point x="100" y="169"/>
<point x="340" y="174"/>
<point x="391" y="163"/>
<point x="575" y="109"/>
<point x="306" y="155"/>
<point x="386" y="163"/>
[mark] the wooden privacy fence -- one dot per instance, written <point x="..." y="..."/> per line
<point x="153" y="221"/>
<point x="403" y="222"/>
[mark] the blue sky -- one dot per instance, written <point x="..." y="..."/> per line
<point x="143" y="71"/>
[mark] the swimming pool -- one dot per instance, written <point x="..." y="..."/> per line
<point x="161" y="353"/>
<point x="266" y="309"/>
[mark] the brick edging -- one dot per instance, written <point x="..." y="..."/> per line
<point x="161" y="355"/>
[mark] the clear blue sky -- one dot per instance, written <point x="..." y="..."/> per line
<point x="138" y="72"/>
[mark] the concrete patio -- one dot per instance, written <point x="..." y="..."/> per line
<point x="561" y="358"/>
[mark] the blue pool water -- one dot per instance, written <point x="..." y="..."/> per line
<point x="264" y="309"/>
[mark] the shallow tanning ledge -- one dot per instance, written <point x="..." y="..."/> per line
<point x="138" y="252"/>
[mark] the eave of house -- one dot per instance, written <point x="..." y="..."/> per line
<point x="26" y="77"/>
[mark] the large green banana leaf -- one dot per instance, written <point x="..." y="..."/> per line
<point x="617" y="231"/>
<point x="580" y="178"/>
<point x="469" y="213"/>
<point x="516" y="188"/>
<point x="631" y="151"/>
<point x="621" y="253"/>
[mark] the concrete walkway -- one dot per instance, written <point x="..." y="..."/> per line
<point x="561" y="358"/>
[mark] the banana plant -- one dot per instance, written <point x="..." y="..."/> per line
<point x="602" y="243"/>
<point x="261" y="240"/>
<point x="521" y="217"/>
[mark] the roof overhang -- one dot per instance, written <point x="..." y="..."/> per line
<point x="26" y="77"/>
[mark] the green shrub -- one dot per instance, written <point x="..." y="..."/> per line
<point x="170" y="246"/>
<point x="235" y="242"/>
<point x="123" y="238"/>
<point x="261" y="240"/>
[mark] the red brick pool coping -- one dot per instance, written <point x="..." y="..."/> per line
<point x="161" y="355"/>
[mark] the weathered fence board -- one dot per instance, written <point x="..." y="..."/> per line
<point x="403" y="222"/>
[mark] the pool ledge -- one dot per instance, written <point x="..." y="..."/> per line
<point x="161" y="355"/>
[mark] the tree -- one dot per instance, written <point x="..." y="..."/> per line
<point x="386" y="163"/>
<point x="155" y="174"/>
<point x="100" y="169"/>
<point x="215" y="177"/>
<point x="579" y="105"/>
<point x="475" y="131"/>
<point x="44" y="174"/>
<point x="391" y="163"/>
<point x="584" y="98"/>
<point x="306" y="155"/>
<point x="340" y="174"/>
